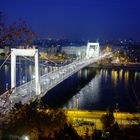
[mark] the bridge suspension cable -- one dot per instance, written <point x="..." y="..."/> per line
<point x="53" y="62"/>
<point x="31" y="60"/>
<point x="5" y="61"/>
<point x="44" y="63"/>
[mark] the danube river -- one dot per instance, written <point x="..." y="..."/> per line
<point x="88" y="89"/>
<point x="98" y="89"/>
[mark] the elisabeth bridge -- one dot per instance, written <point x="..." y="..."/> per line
<point x="39" y="86"/>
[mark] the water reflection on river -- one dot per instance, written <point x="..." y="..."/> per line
<point x="118" y="89"/>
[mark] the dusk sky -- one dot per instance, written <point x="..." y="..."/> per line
<point x="77" y="19"/>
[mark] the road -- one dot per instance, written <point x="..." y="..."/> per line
<point x="123" y="118"/>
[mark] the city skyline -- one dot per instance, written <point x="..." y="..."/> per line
<point x="76" y="19"/>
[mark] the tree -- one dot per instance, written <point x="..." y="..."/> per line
<point x="35" y="120"/>
<point x="38" y="121"/>
<point x="110" y="127"/>
<point x="108" y="120"/>
<point x="67" y="133"/>
<point x="17" y="33"/>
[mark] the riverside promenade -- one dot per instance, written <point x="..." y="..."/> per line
<point x="123" y="118"/>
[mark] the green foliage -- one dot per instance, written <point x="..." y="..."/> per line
<point x="68" y="133"/>
<point x="110" y="127"/>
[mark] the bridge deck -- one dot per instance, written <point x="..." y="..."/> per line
<point x="26" y="92"/>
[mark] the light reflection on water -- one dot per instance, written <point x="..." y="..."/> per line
<point x="90" y="94"/>
<point x="126" y="77"/>
<point x="108" y="88"/>
<point x="120" y="74"/>
<point x="114" y="75"/>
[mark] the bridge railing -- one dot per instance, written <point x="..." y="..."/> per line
<point x="4" y="101"/>
<point x="50" y="80"/>
<point x="26" y="90"/>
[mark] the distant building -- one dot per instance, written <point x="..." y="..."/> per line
<point x="74" y="51"/>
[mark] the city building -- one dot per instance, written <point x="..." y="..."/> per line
<point x="74" y="51"/>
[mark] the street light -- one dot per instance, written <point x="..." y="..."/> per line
<point x="24" y="138"/>
<point x="77" y="107"/>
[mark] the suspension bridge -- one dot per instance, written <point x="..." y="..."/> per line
<point x="39" y="86"/>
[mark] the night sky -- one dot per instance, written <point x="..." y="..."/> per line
<point x="77" y="19"/>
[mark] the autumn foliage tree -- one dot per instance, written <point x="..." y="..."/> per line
<point x="16" y="33"/>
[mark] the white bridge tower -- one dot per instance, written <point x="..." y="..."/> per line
<point x="25" y="52"/>
<point x="93" y="50"/>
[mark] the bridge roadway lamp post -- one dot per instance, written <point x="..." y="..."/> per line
<point x="25" y="52"/>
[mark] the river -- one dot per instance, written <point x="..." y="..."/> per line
<point x="98" y="89"/>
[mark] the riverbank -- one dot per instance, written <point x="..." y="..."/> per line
<point x="133" y="66"/>
<point x="123" y="118"/>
